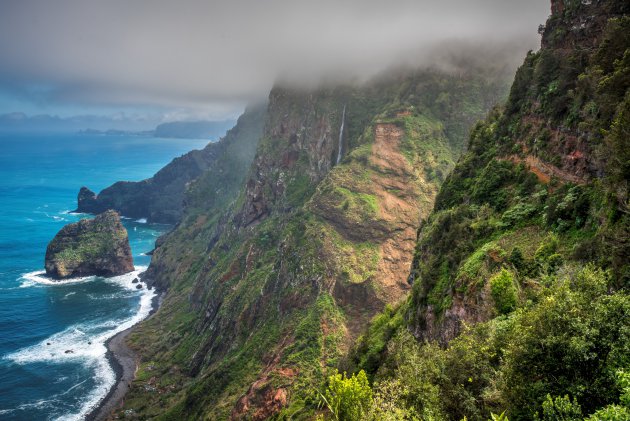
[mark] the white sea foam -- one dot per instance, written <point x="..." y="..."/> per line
<point x="141" y="220"/>
<point x="39" y="277"/>
<point x="122" y="294"/>
<point x="87" y="348"/>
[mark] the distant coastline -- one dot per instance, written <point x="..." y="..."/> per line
<point x="114" y="132"/>
<point x="211" y="130"/>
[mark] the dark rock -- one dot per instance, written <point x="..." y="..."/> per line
<point x="69" y="351"/>
<point x="98" y="246"/>
<point x="89" y="343"/>
<point x="87" y="201"/>
<point x="135" y="281"/>
<point x="139" y="286"/>
<point x="47" y="343"/>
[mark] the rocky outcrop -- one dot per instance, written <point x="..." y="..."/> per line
<point x="87" y="201"/>
<point x="161" y="198"/>
<point x="98" y="246"/>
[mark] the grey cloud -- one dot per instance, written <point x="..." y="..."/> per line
<point x="196" y="54"/>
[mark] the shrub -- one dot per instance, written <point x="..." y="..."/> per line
<point x="348" y="398"/>
<point x="503" y="291"/>
<point x="560" y="409"/>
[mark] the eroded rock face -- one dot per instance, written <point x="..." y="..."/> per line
<point x="98" y="246"/>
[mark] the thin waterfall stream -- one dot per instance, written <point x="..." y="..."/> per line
<point x="343" y="121"/>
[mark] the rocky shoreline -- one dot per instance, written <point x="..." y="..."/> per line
<point x="124" y="362"/>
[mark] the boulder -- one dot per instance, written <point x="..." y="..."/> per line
<point x="98" y="246"/>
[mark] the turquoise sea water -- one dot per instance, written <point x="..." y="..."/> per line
<point x="40" y="177"/>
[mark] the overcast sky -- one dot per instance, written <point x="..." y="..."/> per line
<point x="206" y="59"/>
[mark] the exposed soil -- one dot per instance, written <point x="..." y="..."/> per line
<point x="545" y="171"/>
<point x="394" y="183"/>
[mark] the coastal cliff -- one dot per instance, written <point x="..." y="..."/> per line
<point x="160" y="198"/>
<point x="265" y="294"/>
<point x="98" y="246"/>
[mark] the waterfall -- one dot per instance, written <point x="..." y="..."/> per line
<point x="343" y="120"/>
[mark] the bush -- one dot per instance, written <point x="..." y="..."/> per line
<point x="348" y="398"/>
<point x="560" y="409"/>
<point x="517" y="214"/>
<point x="503" y="291"/>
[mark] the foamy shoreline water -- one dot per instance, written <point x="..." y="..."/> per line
<point x="40" y="176"/>
<point x="84" y="344"/>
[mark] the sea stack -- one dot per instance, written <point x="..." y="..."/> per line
<point x="87" y="202"/>
<point x="98" y="246"/>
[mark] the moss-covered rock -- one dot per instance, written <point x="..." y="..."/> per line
<point x="98" y="246"/>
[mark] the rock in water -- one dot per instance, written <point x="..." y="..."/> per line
<point x="98" y="246"/>
<point x="87" y="201"/>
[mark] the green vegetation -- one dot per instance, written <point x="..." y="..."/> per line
<point x="504" y="292"/>
<point x="88" y="246"/>
<point x="348" y="398"/>
<point x="519" y="304"/>
<point x="265" y="308"/>
<point x="571" y="343"/>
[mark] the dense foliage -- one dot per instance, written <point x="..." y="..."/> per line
<point x="520" y="301"/>
<point x="565" y="352"/>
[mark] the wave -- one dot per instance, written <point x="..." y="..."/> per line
<point x="39" y="277"/>
<point x="38" y="404"/>
<point x="72" y="212"/>
<point x="141" y="220"/>
<point x="85" y="343"/>
<point x="116" y="296"/>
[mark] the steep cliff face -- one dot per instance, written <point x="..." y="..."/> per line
<point x="521" y="272"/>
<point x="160" y="198"/>
<point x="98" y="246"/>
<point x="532" y="170"/>
<point x="265" y="294"/>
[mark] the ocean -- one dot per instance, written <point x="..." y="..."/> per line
<point x="52" y="335"/>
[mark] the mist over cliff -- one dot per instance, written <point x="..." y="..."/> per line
<point x="71" y="54"/>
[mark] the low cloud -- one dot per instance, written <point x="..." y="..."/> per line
<point x="214" y="56"/>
